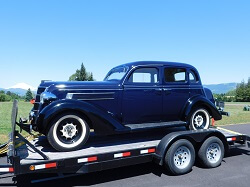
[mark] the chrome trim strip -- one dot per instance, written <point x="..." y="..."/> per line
<point x="86" y="89"/>
<point x="96" y="99"/>
<point x="92" y="93"/>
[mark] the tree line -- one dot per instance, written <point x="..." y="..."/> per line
<point x="240" y="94"/>
<point x="10" y="96"/>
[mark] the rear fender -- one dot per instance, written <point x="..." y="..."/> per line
<point x="197" y="101"/>
<point x="102" y="121"/>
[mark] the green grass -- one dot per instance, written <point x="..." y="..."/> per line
<point x="238" y="116"/>
<point x="5" y="117"/>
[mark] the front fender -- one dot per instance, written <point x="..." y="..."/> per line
<point x="197" y="101"/>
<point x="102" y="121"/>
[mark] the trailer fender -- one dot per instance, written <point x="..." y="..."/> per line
<point x="195" y="137"/>
<point x="102" y="122"/>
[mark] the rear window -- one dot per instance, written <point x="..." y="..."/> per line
<point x="175" y="75"/>
<point x="193" y="77"/>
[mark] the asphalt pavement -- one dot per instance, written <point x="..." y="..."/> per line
<point x="234" y="171"/>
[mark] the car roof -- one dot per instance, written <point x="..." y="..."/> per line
<point x="139" y="63"/>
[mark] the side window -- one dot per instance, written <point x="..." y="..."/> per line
<point x="193" y="77"/>
<point x="144" y="75"/>
<point x="175" y="75"/>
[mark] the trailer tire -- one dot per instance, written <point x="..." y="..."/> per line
<point x="69" y="132"/>
<point x="211" y="152"/>
<point x="180" y="157"/>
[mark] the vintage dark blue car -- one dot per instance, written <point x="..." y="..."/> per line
<point x="134" y="96"/>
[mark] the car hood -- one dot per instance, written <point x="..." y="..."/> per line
<point x="75" y="85"/>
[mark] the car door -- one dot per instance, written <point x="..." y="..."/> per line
<point x="175" y="92"/>
<point x="142" y="96"/>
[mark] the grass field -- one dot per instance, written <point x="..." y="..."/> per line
<point x="5" y="117"/>
<point x="238" y="116"/>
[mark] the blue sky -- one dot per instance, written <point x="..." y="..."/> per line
<point x="50" y="39"/>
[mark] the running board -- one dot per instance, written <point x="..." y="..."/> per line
<point x="143" y="126"/>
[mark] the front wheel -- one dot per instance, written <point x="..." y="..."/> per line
<point x="68" y="132"/>
<point x="199" y="119"/>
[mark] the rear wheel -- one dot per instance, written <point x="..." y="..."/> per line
<point x="199" y="119"/>
<point x="68" y="132"/>
<point x="211" y="152"/>
<point x="180" y="157"/>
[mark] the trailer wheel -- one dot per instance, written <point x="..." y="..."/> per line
<point x="199" y="119"/>
<point x="211" y="152"/>
<point x="180" y="157"/>
<point x="68" y="132"/>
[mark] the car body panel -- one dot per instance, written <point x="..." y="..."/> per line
<point x="111" y="104"/>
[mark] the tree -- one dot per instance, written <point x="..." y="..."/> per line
<point x="81" y="75"/>
<point x="4" y="97"/>
<point x="243" y="91"/>
<point x="28" y="95"/>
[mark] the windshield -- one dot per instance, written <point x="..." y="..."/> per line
<point x="116" y="74"/>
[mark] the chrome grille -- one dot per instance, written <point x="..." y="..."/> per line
<point x="37" y="101"/>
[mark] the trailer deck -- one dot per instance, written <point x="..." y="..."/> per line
<point x="110" y="144"/>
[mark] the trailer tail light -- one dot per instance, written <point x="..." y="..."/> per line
<point x="6" y="170"/>
<point x="145" y="151"/>
<point x="119" y="155"/>
<point x="231" y="139"/>
<point x="88" y="159"/>
<point x="43" y="166"/>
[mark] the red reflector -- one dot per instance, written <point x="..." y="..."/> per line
<point x="233" y="138"/>
<point x="11" y="169"/>
<point x="151" y="150"/>
<point x="50" y="165"/>
<point x="126" y="154"/>
<point x="91" y="159"/>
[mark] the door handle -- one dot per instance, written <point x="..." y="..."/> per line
<point x="167" y="91"/>
<point x="158" y="91"/>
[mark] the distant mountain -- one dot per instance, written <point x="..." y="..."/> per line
<point x="20" y="89"/>
<point x="23" y="86"/>
<point x="221" y="88"/>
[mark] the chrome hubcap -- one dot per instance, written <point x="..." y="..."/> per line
<point x="213" y="152"/>
<point x="198" y="120"/>
<point x="69" y="130"/>
<point x="182" y="157"/>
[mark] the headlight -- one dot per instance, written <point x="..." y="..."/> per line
<point x="47" y="97"/>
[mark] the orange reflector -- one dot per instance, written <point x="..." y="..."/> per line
<point x="32" y="168"/>
<point x="233" y="138"/>
<point x="213" y="122"/>
<point x="32" y="101"/>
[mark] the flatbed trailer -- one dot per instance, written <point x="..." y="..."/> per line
<point x="109" y="152"/>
